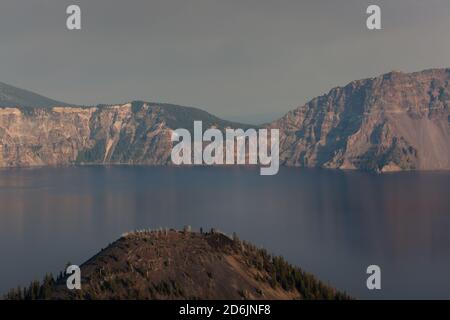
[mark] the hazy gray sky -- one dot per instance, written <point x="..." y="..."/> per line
<point x="234" y="58"/>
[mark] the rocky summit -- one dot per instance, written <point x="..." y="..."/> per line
<point x="171" y="264"/>
<point x="397" y="121"/>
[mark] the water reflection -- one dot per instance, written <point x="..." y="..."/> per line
<point x="331" y="223"/>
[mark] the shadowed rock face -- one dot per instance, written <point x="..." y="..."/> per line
<point x="397" y="121"/>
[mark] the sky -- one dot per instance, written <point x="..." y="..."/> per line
<point x="246" y="60"/>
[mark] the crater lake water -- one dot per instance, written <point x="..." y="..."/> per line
<point x="330" y="223"/>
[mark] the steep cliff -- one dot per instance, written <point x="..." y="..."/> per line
<point x="397" y="121"/>
<point x="133" y="133"/>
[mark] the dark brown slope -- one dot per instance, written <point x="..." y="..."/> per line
<point x="177" y="265"/>
<point x="397" y="121"/>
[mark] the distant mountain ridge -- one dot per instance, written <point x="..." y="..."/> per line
<point x="397" y="121"/>
<point x="14" y="97"/>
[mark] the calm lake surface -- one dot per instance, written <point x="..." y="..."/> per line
<point x="333" y="224"/>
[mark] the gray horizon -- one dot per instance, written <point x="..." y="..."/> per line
<point x="247" y="59"/>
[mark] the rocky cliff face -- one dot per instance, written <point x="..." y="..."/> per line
<point x="397" y="121"/>
<point x="133" y="133"/>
